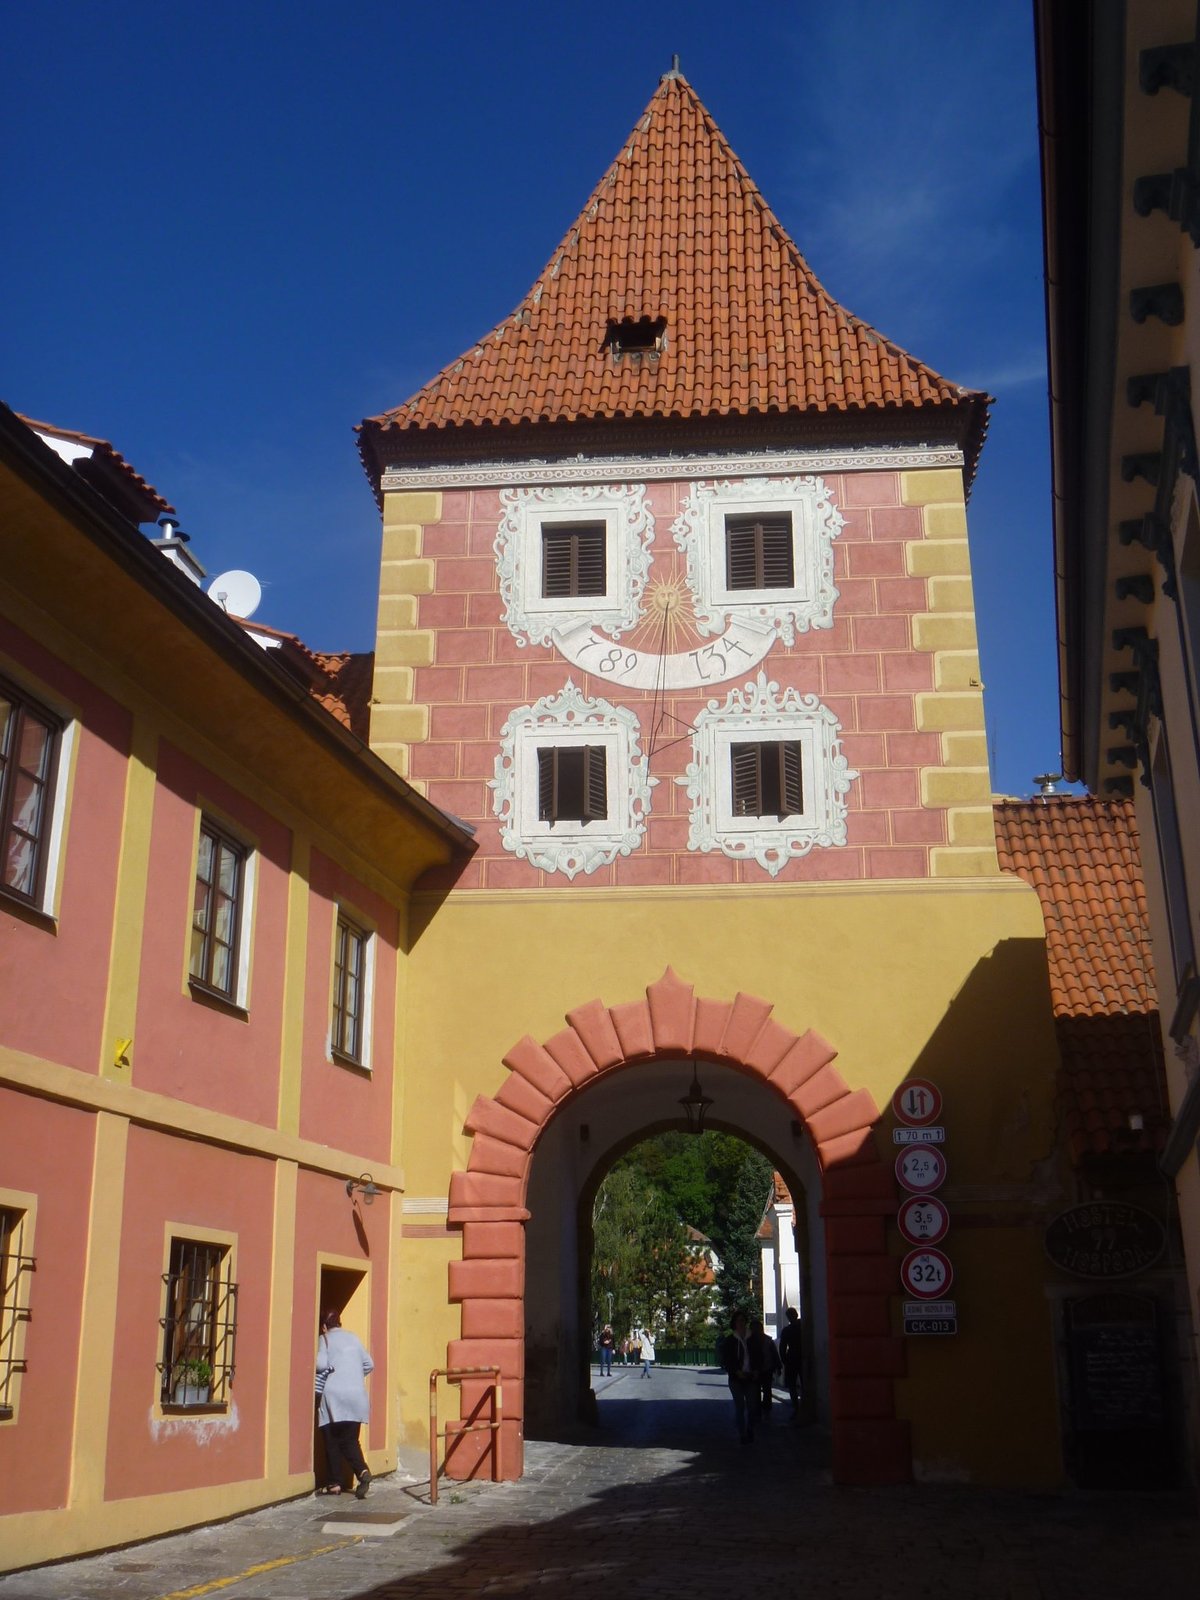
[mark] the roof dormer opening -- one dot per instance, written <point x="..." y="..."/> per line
<point x="635" y="336"/>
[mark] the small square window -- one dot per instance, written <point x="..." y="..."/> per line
<point x="573" y="783"/>
<point x="759" y="552"/>
<point x="348" y="1034"/>
<point x="29" y="749"/>
<point x="217" y="911"/>
<point x="16" y="1269"/>
<point x="573" y="559"/>
<point x="766" y="779"/>
<point x="199" y="1324"/>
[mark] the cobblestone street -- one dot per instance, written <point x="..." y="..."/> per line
<point x="662" y="1500"/>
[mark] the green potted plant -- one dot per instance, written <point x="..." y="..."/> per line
<point x="193" y="1382"/>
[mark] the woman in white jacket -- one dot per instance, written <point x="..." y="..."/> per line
<point x="343" y="1364"/>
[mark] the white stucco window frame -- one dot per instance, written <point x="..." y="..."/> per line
<point x="699" y="531"/>
<point x="569" y="720"/>
<point x="533" y="618"/>
<point x="758" y="714"/>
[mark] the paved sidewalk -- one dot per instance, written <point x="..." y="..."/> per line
<point x="661" y="1501"/>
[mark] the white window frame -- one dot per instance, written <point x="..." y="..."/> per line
<point x="699" y="531"/>
<point x="562" y="721"/>
<point x="240" y="998"/>
<point x="533" y="618"/>
<point x="353" y="916"/>
<point x="47" y="903"/>
<point x="758" y="714"/>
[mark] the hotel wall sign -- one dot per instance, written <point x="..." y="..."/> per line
<point x="1105" y="1239"/>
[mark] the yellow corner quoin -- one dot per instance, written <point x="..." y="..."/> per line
<point x="949" y="862"/>
<point x="945" y="631"/>
<point x="930" y="485"/>
<point x="946" y="521"/>
<point x="956" y="669"/>
<point x="938" y="712"/>
<point x="411" y="505"/>
<point x="961" y="786"/>
<point x="944" y="557"/>
<point x="402" y="542"/>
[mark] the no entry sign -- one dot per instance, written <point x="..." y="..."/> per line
<point x="927" y="1274"/>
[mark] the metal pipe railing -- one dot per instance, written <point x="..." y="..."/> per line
<point x="456" y="1375"/>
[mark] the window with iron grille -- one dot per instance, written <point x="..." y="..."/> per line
<point x="573" y="559"/>
<point x="758" y="552"/>
<point x="765" y="779"/>
<point x="217" y="910"/>
<point x="16" y="1272"/>
<point x="572" y="783"/>
<point x="29" y="745"/>
<point x="349" y="991"/>
<point x="199" y="1324"/>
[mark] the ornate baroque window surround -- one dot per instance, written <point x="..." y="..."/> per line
<point x="629" y="531"/>
<point x="564" y="719"/>
<point x="699" y="531"/>
<point x="758" y="712"/>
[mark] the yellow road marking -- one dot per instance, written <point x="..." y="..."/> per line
<point x="253" y="1572"/>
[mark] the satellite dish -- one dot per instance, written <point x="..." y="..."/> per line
<point x="239" y="593"/>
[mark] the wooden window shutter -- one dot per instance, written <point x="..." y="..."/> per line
<point x="758" y="552"/>
<point x="573" y="559"/>
<point x="547" y="784"/>
<point x="595" y="784"/>
<point x="746" y="779"/>
<point x="790" y="781"/>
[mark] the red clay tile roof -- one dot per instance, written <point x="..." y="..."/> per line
<point x="1082" y="856"/>
<point x="142" y="494"/>
<point x="677" y="229"/>
<point x="341" y="681"/>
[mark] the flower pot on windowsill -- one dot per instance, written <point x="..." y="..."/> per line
<point x="193" y="1386"/>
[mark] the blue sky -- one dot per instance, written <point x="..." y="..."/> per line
<point x="236" y="229"/>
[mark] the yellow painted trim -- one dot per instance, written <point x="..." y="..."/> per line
<point x="954" y="863"/>
<point x="279" y="1338"/>
<point x="52" y="1081"/>
<point x="133" y="875"/>
<point x="26" y="1204"/>
<point x="717" y="893"/>
<point x="97" y="1324"/>
<point x="291" y="1055"/>
<point x="34" y="1537"/>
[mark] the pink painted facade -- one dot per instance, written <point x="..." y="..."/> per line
<point x="863" y="667"/>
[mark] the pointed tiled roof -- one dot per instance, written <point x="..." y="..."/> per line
<point x="676" y="229"/>
<point x="1082" y="856"/>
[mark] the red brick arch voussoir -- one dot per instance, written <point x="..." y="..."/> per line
<point x="487" y="1201"/>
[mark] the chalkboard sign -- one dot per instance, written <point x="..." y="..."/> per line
<point x="1116" y="1364"/>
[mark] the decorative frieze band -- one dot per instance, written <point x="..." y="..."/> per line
<point x="619" y="469"/>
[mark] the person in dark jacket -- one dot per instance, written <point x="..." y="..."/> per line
<point x="735" y="1359"/>
<point x="791" y="1353"/>
<point x="764" y="1364"/>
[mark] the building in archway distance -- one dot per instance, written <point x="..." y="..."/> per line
<point x="781" y="1266"/>
<point x="676" y="612"/>
<point x="1120" y="120"/>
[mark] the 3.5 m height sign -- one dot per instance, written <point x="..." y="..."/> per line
<point x="926" y="1273"/>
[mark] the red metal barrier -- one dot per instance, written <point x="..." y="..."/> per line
<point x="456" y="1375"/>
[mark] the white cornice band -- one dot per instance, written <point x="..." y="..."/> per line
<point x="648" y="469"/>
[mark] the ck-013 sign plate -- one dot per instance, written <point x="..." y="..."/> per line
<point x="921" y="1169"/>
<point x="926" y="1273"/>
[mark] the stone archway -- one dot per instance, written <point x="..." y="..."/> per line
<point x="487" y="1201"/>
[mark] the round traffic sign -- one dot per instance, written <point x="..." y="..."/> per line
<point x="926" y="1273"/>
<point x="923" y="1220"/>
<point x="920" y="1168"/>
<point x="917" y="1103"/>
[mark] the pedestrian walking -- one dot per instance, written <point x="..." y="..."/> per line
<point x="735" y="1359"/>
<point x="791" y="1354"/>
<point x="607" y="1343"/>
<point x="764" y="1364"/>
<point x="645" y="1346"/>
<point x="342" y="1365"/>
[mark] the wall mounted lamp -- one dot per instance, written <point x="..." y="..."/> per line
<point x="365" y="1184"/>
<point x="695" y="1104"/>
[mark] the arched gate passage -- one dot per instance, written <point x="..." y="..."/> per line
<point x="487" y="1201"/>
